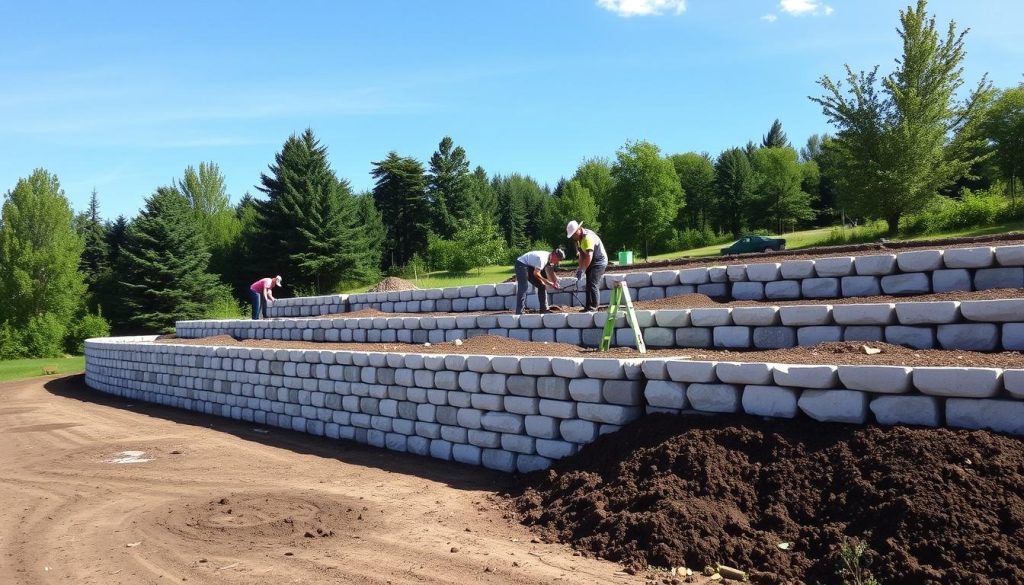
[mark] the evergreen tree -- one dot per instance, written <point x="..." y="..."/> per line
<point x="897" y="148"/>
<point x="646" y="198"/>
<point x="778" y="201"/>
<point x="697" y="178"/>
<point x="524" y="208"/>
<point x="572" y="202"/>
<point x="116" y="233"/>
<point x="95" y="260"/>
<point x="448" y="188"/>
<point x="401" y="197"/>
<point x="372" y="224"/>
<point x="776" y="138"/>
<point x="40" y="283"/>
<point x="734" y="184"/>
<point x="481" y="194"/>
<point x="310" y="221"/>
<point x="163" y="265"/>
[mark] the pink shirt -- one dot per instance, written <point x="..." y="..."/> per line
<point x="262" y="284"/>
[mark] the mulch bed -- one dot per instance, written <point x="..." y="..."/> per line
<point x="392" y="283"/>
<point x="933" y="505"/>
<point x="823" y="353"/>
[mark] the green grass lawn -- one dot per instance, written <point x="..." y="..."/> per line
<point x="30" y="368"/>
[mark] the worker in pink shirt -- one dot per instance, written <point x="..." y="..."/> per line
<point x="261" y="296"/>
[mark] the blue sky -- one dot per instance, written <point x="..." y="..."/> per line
<point x="122" y="96"/>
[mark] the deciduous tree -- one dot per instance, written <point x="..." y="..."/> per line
<point x="646" y="197"/>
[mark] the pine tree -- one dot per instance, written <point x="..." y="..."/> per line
<point x="309" y="225"/>
<point x="734" y="183"/>
<point x="163" y="265"/>
<point x="448" y="189"/>
<point x="776" y="138"/>
<point x="401" y="197"/>
<point x="95" y="261"/>
<point x="206" y="192"/>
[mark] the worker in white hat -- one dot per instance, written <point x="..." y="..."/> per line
<point x="536" y="268"/>
<point x="592" y="261"/>
<point x="260" y="295"/>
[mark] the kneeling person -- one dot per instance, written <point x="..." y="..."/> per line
<point x="531" y="268"/>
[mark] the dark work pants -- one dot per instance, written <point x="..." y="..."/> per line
<point x="258" y="306"/>
<point x="595" y="274"/>
<point x="525" y="277"/>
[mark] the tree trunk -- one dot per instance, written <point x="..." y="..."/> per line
<point x="893" y="219"/>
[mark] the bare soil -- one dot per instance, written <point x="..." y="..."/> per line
<point x="392" y="283"/>
<point x="934" y="506"/>
<point x="844" y="352"/>
<point x="226" y="502"/>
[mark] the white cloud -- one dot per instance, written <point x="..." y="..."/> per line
<point x="627" y="8"/>
<point x="769" y="17"/>
<point x="803" y="7"/>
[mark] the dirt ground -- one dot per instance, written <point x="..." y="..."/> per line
<point x="779" y="498"/>
<point x="219" y="501"/>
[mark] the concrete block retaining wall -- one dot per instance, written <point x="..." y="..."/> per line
<point x="902" y="273"/>
<point x="520" y="413"/>
<point x="983" y="325"/>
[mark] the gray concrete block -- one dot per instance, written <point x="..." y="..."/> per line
<point x="1010" y="255"/>
<point x="875" y="264"/>
<point x="531" y="463"/>
<point x="710" y="316"/>
<point x="861" y="286"/>
<point x="914" y="337"/>
<point x="842" y="406"/>
<point x="679" y="290"/>
<point x="993" y="311"/>
<point x="521" y="405"/>
<point x="990" y="278"/>
<point x="691" y="371"/>
<point x="714" y="397"/>
<point x="558" y="408"/>
<point x="805" y="315"/>
<point x="876" y="379"/>
<point x="468" y="454"/>
<point x="744" y="372"/>
<point x="553" y="387"/>
<point x="555" y="449"/>
<point x="732" y="337"/>
<point x="502" y="422"/>
<point x="665" y="278"/>
<point x="819" y="288"/>
<point x="958" y="382"/>
<point x="659" y="337"/>
<point x="518" y="443"/>
<point x="693" y="276"/>
<point x="866" y="314"/>
<point x="957" y="279"/>
<point x="805" y="376"/>
<point x="585" y="390"/>
<point x="810" y="336"/>
<point x="521" y="385"/>
<point x="833" y="267"/>
<point x="498" y="460"/>
<point x="969" y="336"/>
<point x="578" y="431"/>
<point x="907" y="410"/>
<point x="695" y="337"/>
<point x="567" y="367"/>
<point x="748" y="291"/>
<point x="1013" y="336"/>
<point x="767" y="400"/>
<point x="672" y="317"/>
<point x="650" y="293"/>
<point x="714" y="290"/>
<point x="755" y="316"/>
<point x="624" y="392"/>
<point x="1013" y="381"/>
<point x="863" y="333"/>
<point x="782" y="290"/>
<point x="605" y="369"/>
<point x="915" y="283"/>
<point x="484" y="439"/>
<point x="928" y="313"/>
<point x="919" y="260"/>
<point x="797" y="269"/>
<point x="774" y="337"/>
<point x="654" y="369"/>
<point x="544" y="427"/>
<point x="979" y="257"/>
<point x="736" y="272"/>
<point x="665" y="394"/>
<point x="764" y="272"/>
<point x="1002" y="416"/>
<point x="613" y="414"/>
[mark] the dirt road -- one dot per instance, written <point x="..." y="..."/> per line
<point x="208" y="500"/>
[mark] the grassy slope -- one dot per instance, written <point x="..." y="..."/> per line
<point x="28" y="368"/>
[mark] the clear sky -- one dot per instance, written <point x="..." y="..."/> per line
<point x="123" y="96"/>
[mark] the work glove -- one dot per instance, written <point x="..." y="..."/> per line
<point x="579" y="273"/>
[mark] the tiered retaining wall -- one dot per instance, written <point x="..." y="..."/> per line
<point x="982" y="325"/>
<point x="902" y="273"/>
<point x="519" y="413"/>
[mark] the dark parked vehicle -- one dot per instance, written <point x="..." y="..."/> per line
<point x="755" y="244"/>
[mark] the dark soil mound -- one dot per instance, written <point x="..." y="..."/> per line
<point x="392" y="283"/>
<point x="932" y="505"/>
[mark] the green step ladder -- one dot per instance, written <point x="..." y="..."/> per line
<point x="620" y="295"/>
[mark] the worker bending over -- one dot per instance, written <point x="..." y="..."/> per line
<point x="532" y="268"/>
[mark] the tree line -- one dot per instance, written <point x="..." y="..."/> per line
<point x="904" y="143"/>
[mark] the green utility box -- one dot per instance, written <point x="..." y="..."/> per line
<point x="625" y="257"/>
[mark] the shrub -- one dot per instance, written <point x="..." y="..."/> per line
<point x="477" y="244"/>
<point x="44" y="336"/>
<point x="689" y="239"/>
<point x="225" y="306"/>
<point x="87" y="326"/>
<point x="12" y="346"/>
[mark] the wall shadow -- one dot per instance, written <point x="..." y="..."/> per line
<point x="453" y="474"/>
